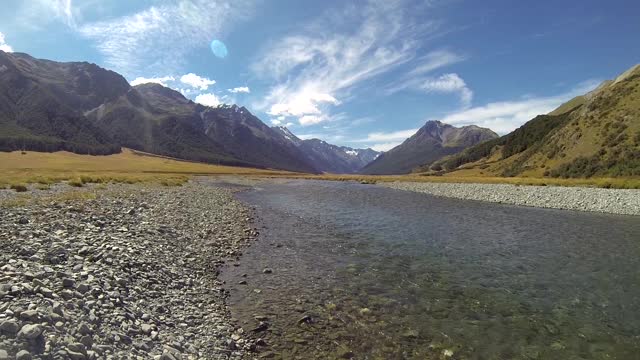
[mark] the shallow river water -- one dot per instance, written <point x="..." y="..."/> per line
<point x="374" y="273"/>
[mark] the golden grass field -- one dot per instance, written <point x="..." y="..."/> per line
<point x="19" y="169"/>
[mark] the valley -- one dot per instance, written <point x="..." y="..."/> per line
<point x="154" y="216"/>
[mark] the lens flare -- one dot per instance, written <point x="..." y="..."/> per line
<point x="219" y="49"/>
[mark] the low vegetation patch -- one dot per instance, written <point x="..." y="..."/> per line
<point x="19" y="187"/>
<point x="127" y="167"/>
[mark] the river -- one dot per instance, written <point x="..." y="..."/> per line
<point x="347" y="270"/>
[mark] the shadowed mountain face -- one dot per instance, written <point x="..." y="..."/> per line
<point x="596" y="134"/>
<point x="432" y="142"/>
<point x="42" y="104"/>
<point x="330" y="158"/>
<point x="82" y="108"/>
<point x="159" y="120"/>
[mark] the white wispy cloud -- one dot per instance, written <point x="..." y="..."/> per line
<point x="308" y="136"/>
<point x="505" y="116"/>
<point x="311" y="120"/>
<point x="158" y="38"/>
<point x="164" y="81"/>
<point x="449" y="83"/>
<point x="317" y="68"/>
<point x="240" y="89"/>
<point x="385" y="146"/>
<point x="302" y="104"/>
<point x="3" y="44"/>
<point x="385" y="141"/>
<point x="208" y="99"/>
<point x="195" y="81"/>
<point x="35" y="14"/>
<point x="399" y="135"/>
<point x="435" y="60"/>
<point x="415" y="79"/>
<point x="63" y="9"/>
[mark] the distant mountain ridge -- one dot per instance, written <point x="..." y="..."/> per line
<point x="330" y="158"/>
<point x="596" y="134"/>
<point x="430" y="143"/>
<point x="83" y="108"/>
<point x="80" y="107"/>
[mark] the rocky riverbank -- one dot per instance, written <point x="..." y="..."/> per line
<point x="124" y="272"/>
<point x="614" y="201"/>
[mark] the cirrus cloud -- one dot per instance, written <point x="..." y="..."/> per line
<point x="158" y="38"/>
<point x="340" y="52"/>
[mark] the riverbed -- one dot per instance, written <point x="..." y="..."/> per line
<point x="344" y="270"/>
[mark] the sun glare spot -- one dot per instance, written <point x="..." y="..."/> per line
<point x="219" y="49"/>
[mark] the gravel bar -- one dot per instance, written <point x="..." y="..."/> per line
<point x="129" y="274"/>
<point x="613" y="201"/>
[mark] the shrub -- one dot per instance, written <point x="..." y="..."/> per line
<point x="19" y="187"/>
<point x="43" y="186"/>
<point x="75" y="183"/>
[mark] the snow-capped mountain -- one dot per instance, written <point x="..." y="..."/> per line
<point x="330" y="158"/>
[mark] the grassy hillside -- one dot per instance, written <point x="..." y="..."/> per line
<point x="129" y="166"/>
<point x="597" y="134"/>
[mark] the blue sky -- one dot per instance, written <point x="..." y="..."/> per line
<point x="360" y="73"/>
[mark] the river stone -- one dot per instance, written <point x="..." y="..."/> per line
<point x="4" y="355"/>
<point x="23" y="355"/>
<point x="84" y="329"/>
<point x="87" y="341"/>
<point x="68" y="283"/>
<point x="77" y="347"/>
<point x="122" y="286"/>
<point x="30" y="331"/>
<point x="83" y="288"/>
<point x="75" y="355"/>
<point x="29" y="315"/>
<point x="9" y="326"/>
<point x="146" y="328"/>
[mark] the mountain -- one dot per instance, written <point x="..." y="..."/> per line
<point x="82" y="108"/>
<point x="156" y="119"/>
<point x="596" y="134"/>
<point x="330" y="158"/>
<point x="42" y="104"/>
<point x="432" y="142"/>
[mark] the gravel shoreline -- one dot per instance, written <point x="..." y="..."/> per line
<point x="613" y="201"/>
<point x="131" y="274"/>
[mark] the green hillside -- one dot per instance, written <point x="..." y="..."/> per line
<point x="597" y="134"/>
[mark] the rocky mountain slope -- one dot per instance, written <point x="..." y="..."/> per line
<point x="432" y="142"/>
<point x="330" y="158"/>
<point x="597" y="134"/>
<point x="42" y="104"/>
<point x="159" y="120"/>
<point x="82" y="108"/>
